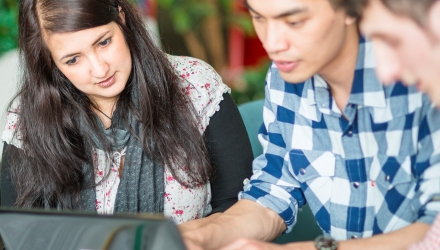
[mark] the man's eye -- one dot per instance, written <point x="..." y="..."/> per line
<point x="392" y="43"/>
<point x="72" y="61"/>
<point x="295" y="24"/>
<point x="105" y="42"/>
<point x="257" y="18"/>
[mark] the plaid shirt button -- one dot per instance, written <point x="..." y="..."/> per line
<point x="356" y="184"/>
<point x="302" y="171"/>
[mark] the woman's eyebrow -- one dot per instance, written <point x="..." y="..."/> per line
<point x="93" y="44"/>
<point x="100" y="37"/>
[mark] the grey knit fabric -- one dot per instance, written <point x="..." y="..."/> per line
<point x="141" y="188"/>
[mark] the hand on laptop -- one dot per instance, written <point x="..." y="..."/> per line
<point x="248" y="244"/>
<point x="190" y="244"/>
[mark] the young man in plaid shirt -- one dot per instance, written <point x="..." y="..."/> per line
<point x="411" y="43"/>
<point x="366" y="157"/>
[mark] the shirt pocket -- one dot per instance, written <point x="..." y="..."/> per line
<point x="308" y="165"/>
<point x="390" y="172"/>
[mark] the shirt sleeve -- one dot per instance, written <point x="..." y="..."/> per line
<point x="7" y="189"/>
<point x="203" y="86"/>
<point x="273" y="185"/>
<point x="230" y="154"/>
<point x="220" y="121"/>
<point x="10" y="133"/>
<point x="427" y="167"/>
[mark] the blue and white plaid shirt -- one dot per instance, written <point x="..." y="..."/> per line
<point x="373" y="173"/>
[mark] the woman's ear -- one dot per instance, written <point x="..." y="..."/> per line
<point x="434" y="19"/>
<point x="121" y="14"/>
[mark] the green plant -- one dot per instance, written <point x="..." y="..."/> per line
<point x="8" y="25"/>
<point x="203" y="23"/>
<point x="254" y="79"/>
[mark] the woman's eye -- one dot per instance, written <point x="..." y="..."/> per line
<point x="105" y="42"/>
<point x="72" y="61"/>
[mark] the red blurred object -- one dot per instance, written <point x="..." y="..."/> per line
<point x="253" y="51"/>
<point x="244" y="51"/>
<point x="149" y="8"/>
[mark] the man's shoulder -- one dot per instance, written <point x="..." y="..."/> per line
<point x="401" y="100"/>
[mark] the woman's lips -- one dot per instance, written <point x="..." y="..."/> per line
<point x="108" y="82"/>
<point x="286" y="66"/>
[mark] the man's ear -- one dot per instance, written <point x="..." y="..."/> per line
<point x="349" y="20"/>
<point x="121" y="14"/>
<point x="434" y="19"/>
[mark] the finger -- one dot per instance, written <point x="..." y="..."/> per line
<point x="243" y="244"/>
<point x="238" y="244"/>
<point x="191" y="245"/>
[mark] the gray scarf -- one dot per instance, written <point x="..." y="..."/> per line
<point x="141" y="188"/>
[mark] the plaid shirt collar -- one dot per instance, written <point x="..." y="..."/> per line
<point x="370" y="95"/>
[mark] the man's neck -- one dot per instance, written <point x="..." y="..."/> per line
<point x="339" y="73"/>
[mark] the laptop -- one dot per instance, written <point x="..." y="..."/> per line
<point x="55" y="230"/>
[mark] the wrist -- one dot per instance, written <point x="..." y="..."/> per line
<point x="326" y="243"/>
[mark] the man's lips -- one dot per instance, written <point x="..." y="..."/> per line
<point x="108" y="82"/>
<point x="286" y="66"/>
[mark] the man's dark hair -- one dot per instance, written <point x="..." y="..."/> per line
<point x="416" y="10"/>
<point x="352" y="7"/>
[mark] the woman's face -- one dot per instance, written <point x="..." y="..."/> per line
<point x="96" y="60"/>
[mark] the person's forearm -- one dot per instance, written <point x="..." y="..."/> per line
<point x="399" y="239"/>
<point x="195" y="224"/>
<point x="246" y="219"/>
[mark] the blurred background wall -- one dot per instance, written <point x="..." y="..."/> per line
<point x="219" y="32"/>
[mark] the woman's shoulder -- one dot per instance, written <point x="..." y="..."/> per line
<point x="9" y="134"/>
<point x="196" y="72"/>
<point x="202" y="84"/>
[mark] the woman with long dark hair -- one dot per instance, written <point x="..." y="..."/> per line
<point x="105" y="121"/>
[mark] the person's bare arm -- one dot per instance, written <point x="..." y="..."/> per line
<point x="195" y="224"/>
<point x="399" y="239"/>
<point x="246" y="219"/>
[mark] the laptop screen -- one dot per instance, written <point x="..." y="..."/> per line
<point x="37" y="229"/>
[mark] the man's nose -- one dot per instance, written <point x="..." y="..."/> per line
<point x="275" y="39"/>
<point x="388" y="67"/>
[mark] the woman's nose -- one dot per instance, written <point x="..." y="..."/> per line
<point x="99" y="67"/>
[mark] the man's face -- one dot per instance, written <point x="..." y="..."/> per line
<point x="302" y="37"/>
<point x="404" y="50"/>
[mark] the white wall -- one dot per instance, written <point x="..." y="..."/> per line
<point x="8" y="85"/>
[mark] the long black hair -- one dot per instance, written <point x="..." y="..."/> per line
<point x="55" y="118"/>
